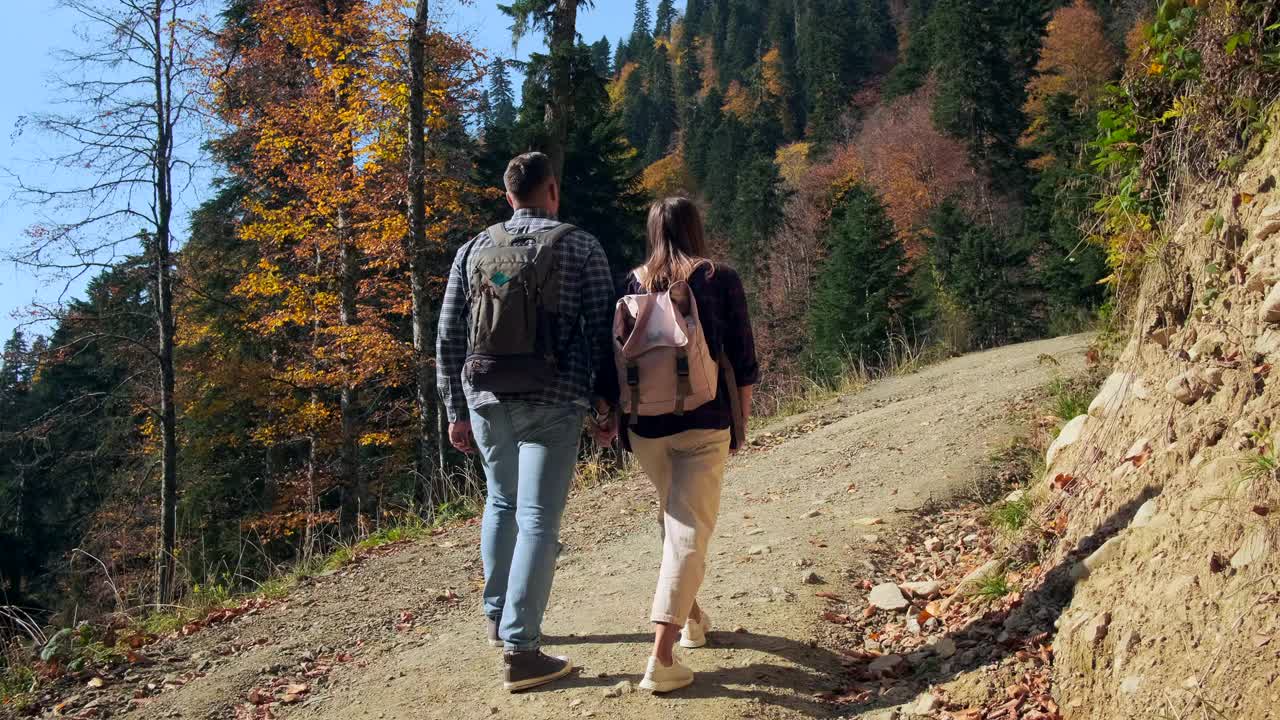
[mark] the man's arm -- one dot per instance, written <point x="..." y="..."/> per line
<point x="598" y="300"/>
<point x="451" y="341"/>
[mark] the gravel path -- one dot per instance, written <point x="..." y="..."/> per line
<point x="796" y="504"/>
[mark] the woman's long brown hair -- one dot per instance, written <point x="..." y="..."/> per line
<point x="677" y="244"/>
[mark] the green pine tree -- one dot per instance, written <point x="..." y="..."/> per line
<point x="637" y="112"/>
<point x="601" y="57"/>
<point x="839" y="46"/>
<point x="662" y="106"/>
<point x="917" y="57"/>
<point x="862" y="292"/>
<point x="983" y="53"/>
<point x="641" y="42"/>
<point x="757" y="211"/>
<point x="601" y="187"/>
<point x="665" y="18"/>
<point x="501" y="96"/>
<point x="983" y="277"/>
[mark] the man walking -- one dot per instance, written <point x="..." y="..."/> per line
<point x="525" y="322"/>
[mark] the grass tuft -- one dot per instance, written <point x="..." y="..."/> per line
<point x="1012" y="516"/>
<point x="1068" y="399"/>
<point x="993" y="587"/>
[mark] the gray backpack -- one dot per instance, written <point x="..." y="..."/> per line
<point x="514" y="293"/>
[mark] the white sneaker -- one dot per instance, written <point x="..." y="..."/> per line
<point x="694" y="634"/>
<point x="661" y="678"/>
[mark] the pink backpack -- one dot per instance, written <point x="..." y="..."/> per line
<point x="664" y="365"/>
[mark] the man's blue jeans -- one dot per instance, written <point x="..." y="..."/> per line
<point x="529" y="453"/>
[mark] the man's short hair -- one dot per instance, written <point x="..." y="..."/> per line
<point x="526" y="174"/>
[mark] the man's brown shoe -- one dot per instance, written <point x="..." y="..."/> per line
<point x="531" y="668"/>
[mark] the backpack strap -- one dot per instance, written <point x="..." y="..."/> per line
<point x="683" y="387"/>
<point x="553" y="235"/>
<point x="499" y="235"/>
<point x="549" y="236"/>
<point x="633" y="382"/>
<point x="737" y="428"/>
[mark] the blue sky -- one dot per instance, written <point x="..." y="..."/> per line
<point x="33" y="29"/>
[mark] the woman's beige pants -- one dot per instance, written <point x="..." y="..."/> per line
<point x="686" y="469"/>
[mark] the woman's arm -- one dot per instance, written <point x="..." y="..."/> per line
<point x="745" y="392"/>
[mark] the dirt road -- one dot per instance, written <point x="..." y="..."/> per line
<point x="793" y="506"/>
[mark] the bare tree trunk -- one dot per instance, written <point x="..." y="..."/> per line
<point x="421" y="256"/>
<point x="356" y="498"/>
<point x="349" y="396"/>
<point x="164" y="315"/>
<point x="564" y="35"/>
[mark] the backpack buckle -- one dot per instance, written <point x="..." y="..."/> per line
<point x="682" y="366"/>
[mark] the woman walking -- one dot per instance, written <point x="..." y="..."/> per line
<point x="683" y="450"/>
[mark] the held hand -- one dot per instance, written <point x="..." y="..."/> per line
<point x="461" y="438"/>
<point x="605" y="430"/>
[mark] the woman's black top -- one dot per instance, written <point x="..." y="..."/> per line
<point x="726" y="324"/>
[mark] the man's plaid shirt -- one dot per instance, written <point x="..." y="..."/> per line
<point x="586" y="314"/>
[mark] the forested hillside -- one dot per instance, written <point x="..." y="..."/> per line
<point x="883" y="173"/>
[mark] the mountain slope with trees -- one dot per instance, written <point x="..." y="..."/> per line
<point x="945" y="175"/>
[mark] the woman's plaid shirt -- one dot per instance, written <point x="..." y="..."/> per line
<point x="587" y="300"/>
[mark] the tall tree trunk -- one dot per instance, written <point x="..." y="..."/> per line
<point x="164" y="316"/>
<point x="349" y="396"/>
<point x="357" y="497"/>
<point x="421" y="257"/>
<point x="564" y="35"/>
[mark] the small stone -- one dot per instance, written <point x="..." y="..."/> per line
<point x="916" y="659"/>
<point x="757" y="531"/>
<point x="886" y="664"/>
<point x="1069" y="435"/>
<point x="811" y="578"/>
<point x="887" y="596"/>
<point x="972" y="580"/>
<point x="933" y="544"/>
<point x="96" y="682"/>
<point x="740" y="630"/>
<point x="1254" y="550"/>
<point x="926" y="704"/>
<point x="758" y="550"/>
<point x="622" y="688"/>
<point x="1015" y="496"/>
<point x="971" y="539"/>
<point x="575" y="702"/>
<point x="1187" y="388"/>
<point x="1268" y="223"/>
<point x="1146" y="513"/>
<point x="945" y="647"/>
<point x="1103" y="555"/>
<point x="1098" y="630"/>
<point x="813" y="513"/>
<point x="1130" y="685"/>
<point x="923" y="589"/>
<point x="871" y="539"/>
<point x="868" y="521"/>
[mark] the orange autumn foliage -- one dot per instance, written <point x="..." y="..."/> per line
<point x="666" y="177"/>
<point x="1076" y="58"/>
<point x="738" y="101"/>
<point x="319" y="102"/>
<point x="912" y="165"/>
